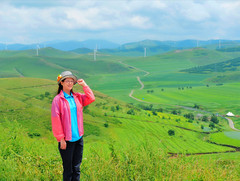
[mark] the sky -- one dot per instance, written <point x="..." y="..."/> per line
<point x="119" y="21"/>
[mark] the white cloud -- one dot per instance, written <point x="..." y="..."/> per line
<point x="140" y="22"/>
<point x="193" y="11"/>
<point x="153" y="18"/>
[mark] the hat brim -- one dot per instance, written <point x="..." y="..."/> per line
<point x="69" y="76"/>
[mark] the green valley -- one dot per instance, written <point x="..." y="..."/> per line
<point x="167" y="130"/>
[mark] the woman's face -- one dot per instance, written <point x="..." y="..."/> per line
<point x="67" y="84"/>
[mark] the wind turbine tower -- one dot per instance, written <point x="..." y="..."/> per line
<point x="94" y="54"/>
<point x="38" y="48"/>
<point x="219" y="44"/>
<point x="145" y="52"/>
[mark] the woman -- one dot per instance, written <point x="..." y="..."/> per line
<point x="67" y="122"/>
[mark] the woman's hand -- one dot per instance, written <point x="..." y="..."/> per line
<point x="81" y="82"/>
<point x="63" y="144"/>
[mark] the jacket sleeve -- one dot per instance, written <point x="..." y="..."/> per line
<point x="88" y="97"/>
<point x="56" y="120"/>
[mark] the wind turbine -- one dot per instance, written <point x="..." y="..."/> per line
<point x="94" y="54"/>
<point x="145" y="52"/>
<point x="38" y="48"/>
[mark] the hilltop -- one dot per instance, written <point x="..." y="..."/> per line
<point x="153" y="47"/>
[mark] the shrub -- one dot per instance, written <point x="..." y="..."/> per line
<point x="131" y="111"/>
<point x="214" y="119"/>
<point x="196" y="106"/>
<point x="117" y="107"/>
<point x="174" y="112"/>
<point x="205" y="118"/>
<point x="113" y="109"/>
<point x="211" y="125"/>
<point x="47" y="94"/>
<point x="189" y="116"/>
<point x="177" y="120"/>
<point x="106" y="125"/>
<point x="171" y="132"/>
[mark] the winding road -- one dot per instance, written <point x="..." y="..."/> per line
<point x="230" y="122"/>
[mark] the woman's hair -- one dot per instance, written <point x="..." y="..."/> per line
<point x="60" y="87"/>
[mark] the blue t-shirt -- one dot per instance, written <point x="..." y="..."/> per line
<point x="73" y="110"/>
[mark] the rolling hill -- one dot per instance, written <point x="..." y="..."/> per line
<point x="124" y="138"/>
<point x="118" y="136"/>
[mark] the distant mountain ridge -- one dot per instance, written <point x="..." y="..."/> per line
<point x="63" y="45"/>
<point x="152" y="47"/>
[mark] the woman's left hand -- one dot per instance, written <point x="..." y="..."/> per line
<point x="81" y="82"/>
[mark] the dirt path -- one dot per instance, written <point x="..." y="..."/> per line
<point x="231" y="124"/>
<point x="139" y="80"/>
<point x="130" y="66"/>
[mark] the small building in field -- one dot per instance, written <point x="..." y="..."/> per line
<point x="230" y="114"/>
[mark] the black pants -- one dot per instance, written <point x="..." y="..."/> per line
<point x="72" y="159"/>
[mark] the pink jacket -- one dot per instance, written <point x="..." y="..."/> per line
<point x="61" y="118"/>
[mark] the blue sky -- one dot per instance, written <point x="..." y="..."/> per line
<point x="120" y="21"/>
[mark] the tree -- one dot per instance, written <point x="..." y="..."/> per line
<point x="177" y="120"/>
<point x="214" y="119"/>
<point x="171" y="132"/>
<point x="189" y="116"/>
<point x="47" y="94"/>
<point x="205" y="118"/>
<point x="106" y="125"/>
<point x="154" y="113"/>
<point x="211" y="125"/>
<point x="113" y="109"/>
<point x="131" y="111"/>
<point x="196" y="106"/>
<point x="174" y="112"/>
<point x="117" y="107"/>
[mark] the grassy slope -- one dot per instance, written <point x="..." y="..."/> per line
<point x="24" y="100"/>
<point x="51" y="62"/>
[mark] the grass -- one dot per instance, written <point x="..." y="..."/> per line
<point x="132" y="147"/>
<point x="118" y="145"/>
<point x="218" y="99"/>
<point x="27" y="158"/>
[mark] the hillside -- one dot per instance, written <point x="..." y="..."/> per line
<point x="50" y="62"/>
<point x="111" y="129"/>
<point x="225" y="66"/>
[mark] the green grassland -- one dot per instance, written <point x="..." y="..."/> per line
<point x="118" y="145"/>
<point x="228" y="137"/>
<point x="220" y="99"/>
<point x="122" y="141"/>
